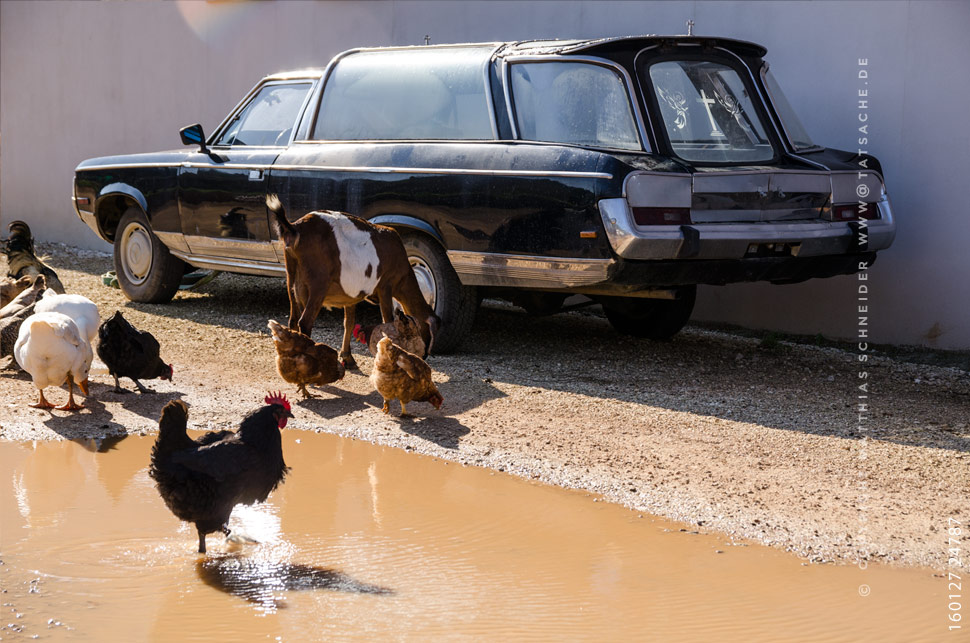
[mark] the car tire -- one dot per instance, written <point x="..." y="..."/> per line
<point x="453" y="303"/>
<point x="656" y="319"/>
<point x="146" y="270"/>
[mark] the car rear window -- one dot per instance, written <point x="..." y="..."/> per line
<point x="707" y="113"/>
<point x="576" y="103"/>
<point x="407" y="95"/>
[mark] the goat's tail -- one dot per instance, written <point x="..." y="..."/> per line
<point x="284" y="229"/>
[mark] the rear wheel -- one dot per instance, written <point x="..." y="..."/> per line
<point x="656" y="319"/>
<point x="454" y="303"/>
<point x="147" y="272"/>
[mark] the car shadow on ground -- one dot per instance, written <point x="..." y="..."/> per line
<point x="697" y="372"/>
<point x="710" y="374"/>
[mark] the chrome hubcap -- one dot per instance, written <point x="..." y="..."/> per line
<point x="136" y="253"/>
<point x="425" y="279"/>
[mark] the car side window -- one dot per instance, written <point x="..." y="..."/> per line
<point x="406" y="95"/>
<point x="268" y="118"/>
<point x="575" y="103"/>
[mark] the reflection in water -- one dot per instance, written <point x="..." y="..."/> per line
<point x="101" y="445"/>
<point x="115" y="471"/>
<point x="261" y="581"/>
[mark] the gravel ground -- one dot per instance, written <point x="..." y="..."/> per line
<point x="756" y="438"/>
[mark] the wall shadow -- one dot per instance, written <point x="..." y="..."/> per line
<point x="707" y="374"/>
<point x="698" y="372"/>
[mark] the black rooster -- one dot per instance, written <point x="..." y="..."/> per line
<point x="129" y="352"/>
<point x="201" y="480"/>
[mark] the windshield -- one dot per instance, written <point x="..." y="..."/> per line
<point x="794" y="129"/>
<point x="708" y="114"/>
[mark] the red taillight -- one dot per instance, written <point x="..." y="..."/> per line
<point x="855" y="211"/>
<point x="661" y="216"/>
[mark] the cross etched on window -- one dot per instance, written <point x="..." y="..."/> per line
<point x="715" y="130"/>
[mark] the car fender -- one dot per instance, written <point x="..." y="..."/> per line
<point x="113" y="189"/>
<point x="397" y="221"/>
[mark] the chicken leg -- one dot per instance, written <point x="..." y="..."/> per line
<point x="141" y="387"/>
<point x="304" y="392"/>
<point x="71" y="404"/>
<point x="117" y="388"/>
<point x="43" y="403"/>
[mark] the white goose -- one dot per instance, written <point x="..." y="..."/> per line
<point x="80" y="309"/>
<point x="51" y="349"/>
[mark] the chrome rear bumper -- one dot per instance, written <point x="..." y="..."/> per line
<point x="734" y="240"/>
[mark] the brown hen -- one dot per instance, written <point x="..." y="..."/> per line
<point x="404" y="331"/>
<point x="302" y="361"/>
<point x="400" y="375"/>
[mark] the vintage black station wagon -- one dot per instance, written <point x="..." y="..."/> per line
<point x="625" y="169"/>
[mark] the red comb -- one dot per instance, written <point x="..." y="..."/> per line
<point x="277" y="398"/>
<point x="357" y="334"/>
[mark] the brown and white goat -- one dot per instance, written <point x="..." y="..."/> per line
<point x="335" y="259"/>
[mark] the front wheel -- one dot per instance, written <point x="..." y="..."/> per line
<point x="452" y="302"/>
<point x="656" y="319"/>
<point x="147" y="272"/>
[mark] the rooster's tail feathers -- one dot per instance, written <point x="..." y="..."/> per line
<point x="171" y="429"/>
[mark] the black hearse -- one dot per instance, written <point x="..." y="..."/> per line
<point x="626" y="169"/>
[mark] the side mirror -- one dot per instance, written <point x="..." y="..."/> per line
<point x="192" y="135"/>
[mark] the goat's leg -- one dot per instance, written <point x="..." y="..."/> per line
<point x="295" y="309"/>
<point x="350" y="316"/>
<point x="294" y="312"/>
<point x="310" y="311"/>
<point x="387" y="305"/>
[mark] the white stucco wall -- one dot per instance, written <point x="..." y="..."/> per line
<point x="84" y="79"/>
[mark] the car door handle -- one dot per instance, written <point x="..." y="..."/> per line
<point x="255" y="175"/>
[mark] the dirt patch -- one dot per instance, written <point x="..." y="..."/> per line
<point x="759" y="440"/>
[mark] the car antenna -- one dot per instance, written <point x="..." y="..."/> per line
<point x="690" y="27"/>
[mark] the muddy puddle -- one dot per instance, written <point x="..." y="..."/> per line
<point x="371" y="543"/>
